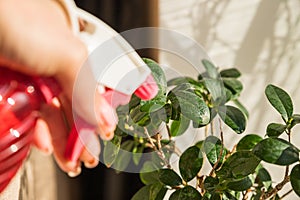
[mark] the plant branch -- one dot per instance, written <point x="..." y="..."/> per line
<point x="277" y="188"/>
<point x="212" y="127"/>
<point x="169" y="132"/>
<point x="160" y="153"/>
<point x="287" y="193"/>
<point x="220" y="154"/>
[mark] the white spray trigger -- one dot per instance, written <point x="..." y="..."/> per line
<point x="115" y="64"/>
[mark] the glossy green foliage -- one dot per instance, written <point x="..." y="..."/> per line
<point x="185" y="103"/>
<point x="276" y="151"/>
<point x="190" y="163"/>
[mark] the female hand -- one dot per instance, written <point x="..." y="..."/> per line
<point x="36" y="39"/>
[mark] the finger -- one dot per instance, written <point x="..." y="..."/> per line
<point x="66" y="108"/>
<point x="91" y="152"/>
<point x="42" y="138"/>
<point x="106" y="117"/>
<point x="59" y="135"/>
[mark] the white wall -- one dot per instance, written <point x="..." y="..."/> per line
<point x="259" y="37"/>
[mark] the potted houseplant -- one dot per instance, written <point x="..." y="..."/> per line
<point x="146" y="131"/>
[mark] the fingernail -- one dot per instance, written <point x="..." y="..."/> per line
<point x="91" y="163"/>
<point x="107" y="115"/>
<point x="93" y="145"/>
<point x="75" y="173"/>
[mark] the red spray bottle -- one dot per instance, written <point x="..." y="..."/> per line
<point x="21" y="96"/>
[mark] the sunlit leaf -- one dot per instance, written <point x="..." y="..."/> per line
<point x="191" y="106"/>
<point x="178" y="127"/>
<point x="137" y="154"/>
<point x="234" y="118"/>
<point x="186" y="193"/>
<point x="276" y="151"/>
<point x="139" y="117"/>
<point x="264" y="178"/>
<point x="158" y="74"/>
<point x="190" y="163"/>
<point x="217" y="91"/>
<point x="211" y="70"/>
<point x="275" y="130"/>
<point x="280" y="100"/>
<point x="239" y="165"/>
<point x="248" y="142"/>
<point x="181" y="80"/>
<point x="154" y="104"/>
<point x="212" y="148"/>
<point x="169" y="177"/>
<point x="295" y="179"/>
<point x="149" y="173"/>
<point x="210" y="183"/>
<point x="242" y="108"/>
<point x="295" y="119"/>
<point x="230" y="73"/>
<point x="124" y="156"/>
<point x="240" y="185"/>
<point x="234" y="85"/>
<point x="111" y="150"/>
<point x="154" y="191"/>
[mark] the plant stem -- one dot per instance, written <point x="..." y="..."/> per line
<point x="160" y="153"/>
<point x="220" y="155"/>
<point x="169" y="132"/>
<point x="286" y="194"/>
<point x="285" y="180"/>
<point x="212" y="127"/>
<point x="206" y="131"/>
<point x="277" y="188"/>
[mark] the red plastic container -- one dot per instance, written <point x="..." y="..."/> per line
<point x="21" y="97"/>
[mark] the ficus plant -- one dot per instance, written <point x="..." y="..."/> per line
<point x="183" y="104"/>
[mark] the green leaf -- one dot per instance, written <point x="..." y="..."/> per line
<point x="190" y="163"/>
<point x="199" y="144"/>
<point x="211" y="70"/>
<point x="240" y="185"/>
<point x="191" y="106"/>
<point x="137" y="154"/>
<point x="139" y="117"/>
<point x="235" y="86"/>
<point x="263" y="178"/>
<point x="158" y="75"/>
<point x="212" y="148"/>
<point x="295" y="119"/>
<point x="295" y="179"/>
<point x="275" y="130"/>
<point x="217" y="91"/>
<point x="169" y="177"/>
<point x="124" y="156"/>
<point x="186" y="193"/>
<point x="230" y="73"/>
<point x="154" y="104"/>
<point x="280" y="100"/>
<point x="239" y="165"/>
<point x="211" y="183"/>
<point x="111" y="150"/>
<point x="234" y="118"/>
<point x="149" y="173"/>
<point x="181" y="80"/>
<point x="228" y="196"/>
<point x="134" y="102"/>
<point x="241" y="107"/>
<point x="248" y="142"/>
<point x="276" y="151"/>
<point x="154" y="191"/>
<point x="178" y="127"/>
